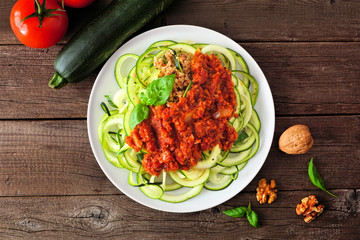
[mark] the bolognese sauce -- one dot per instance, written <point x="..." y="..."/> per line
<point x="175" y="134"/>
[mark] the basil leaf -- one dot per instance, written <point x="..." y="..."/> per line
<point x="248" y="209"/>
<point x="236" y="212"/>
<point x="316" y="178"/>
<point x="253" y="219"/>
<point x="138" y="114"/>
<point x="251" y="216"/>
<point x="147" y="100"/>
<point x="158" y="91"/>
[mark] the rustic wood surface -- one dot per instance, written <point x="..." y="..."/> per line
<point x="51" y="186"/>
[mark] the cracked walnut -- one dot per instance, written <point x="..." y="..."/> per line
<point x="266" y="192"/>
<point x="308" y="208"/>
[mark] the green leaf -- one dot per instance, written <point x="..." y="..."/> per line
<point x="316" y="178"/>
<point x="236" y="212"/>
<point x="158" y="91"/>
<point x="251" y="216"/>
<point x="138" y="114"/>
<point x="253" y="219"/>
<point x="147" y="99"/>
<point x="248" y="209"/>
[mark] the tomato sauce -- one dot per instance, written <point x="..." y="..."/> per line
<point x="175" y="136"/>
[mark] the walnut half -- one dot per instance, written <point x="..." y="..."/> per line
<point x="308" y="208"/>
<point x="265" y="190"/>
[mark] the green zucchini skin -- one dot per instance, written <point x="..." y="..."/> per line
<point x="101" y="37"/>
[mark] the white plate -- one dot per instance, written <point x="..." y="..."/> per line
<point x="105" y="83"/>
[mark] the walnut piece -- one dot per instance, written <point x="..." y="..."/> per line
<point x="265" y="190"/>
<point x="296" y="140"/>
<point x="308" y="208"/>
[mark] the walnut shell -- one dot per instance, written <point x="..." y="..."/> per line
<point x="296" y="140"/>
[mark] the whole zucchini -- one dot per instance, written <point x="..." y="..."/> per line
<point x="101" y="37"/>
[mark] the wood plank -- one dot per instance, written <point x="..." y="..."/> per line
<point x="302" y="20"/>
<point x="118" y="217"/>
<point x="24" y="91"/>
<point x="305" y="79"/>
<point x="261" y="20"/>
<point x="55" y="158"/>
<point x="48" y="157"/>
<point x="311" y="78"/>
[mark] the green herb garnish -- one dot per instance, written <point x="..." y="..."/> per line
<point x="316" y="178"/>
<point x="236" y="212"/>
<point x="251" y="216"/>
<point x="156" y="93"/>
<point x="138" y="114"/>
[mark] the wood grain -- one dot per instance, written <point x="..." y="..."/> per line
<point x="51" y="186"/>
<point x="24" y="91"/>
<point x="305" y="79"/>
<point x="311" y="78"/>
<point x="261" y="20"/>
<point x="246" y="20"/>
<point x="55" y="158"/>
<point x="118" y="217"/>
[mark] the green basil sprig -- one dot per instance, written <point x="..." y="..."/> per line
<point x="316" y="178"/>
<point x="251" y="216"/>
<point x="156" y="93"/>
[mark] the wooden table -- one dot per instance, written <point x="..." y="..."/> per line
<point x="51" y="186"/>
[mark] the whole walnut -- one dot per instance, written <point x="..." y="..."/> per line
<point x="296" y="140"/>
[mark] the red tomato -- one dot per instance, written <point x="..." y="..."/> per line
<point x="76" y="3"/>
<point x="29" y="32"/>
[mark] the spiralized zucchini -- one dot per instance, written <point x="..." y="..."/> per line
<point x="216" y="169"/>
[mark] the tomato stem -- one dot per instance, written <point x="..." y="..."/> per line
<point x="42" y="12"/>
<point x="38" y="7"/>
